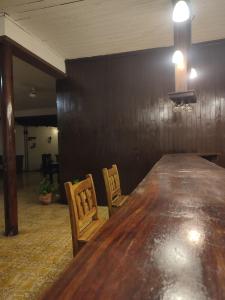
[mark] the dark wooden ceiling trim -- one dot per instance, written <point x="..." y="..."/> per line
<point x="31" y="58"/>
<point x="47" y="120"/>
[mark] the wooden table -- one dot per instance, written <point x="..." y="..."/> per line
<point x="167" y="243"/>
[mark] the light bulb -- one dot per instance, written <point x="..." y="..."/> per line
<point x="181" y="12"/>
<point x="178" y="59"/>
<point x="194" y="236"/>
<point x="193" y="73"/>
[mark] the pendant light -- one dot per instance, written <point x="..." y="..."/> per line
<point x="178" y="59"/>
<point x="193" y="73"/>
<point x="181" y="12"/>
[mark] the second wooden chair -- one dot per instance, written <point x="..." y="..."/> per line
<point x="112" y="184"/>
<point x="83" y="211"/>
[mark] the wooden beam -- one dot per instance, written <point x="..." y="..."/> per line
<point x="182" y="42"/>
<point x="31" y="43"/>
<point x="32" y="59"/>
<point x="8" y="130"/>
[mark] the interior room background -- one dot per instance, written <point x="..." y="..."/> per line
<point x="115" y="109"/>
<point x="42" y="144"/>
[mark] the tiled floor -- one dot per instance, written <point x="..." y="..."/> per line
<point x="31" y="261"/>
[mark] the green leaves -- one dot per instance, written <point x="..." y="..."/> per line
<point x="45" y="186"/>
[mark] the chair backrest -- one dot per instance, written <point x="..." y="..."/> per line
<point x="82" y="205"/>
<point x="112" y="185"/>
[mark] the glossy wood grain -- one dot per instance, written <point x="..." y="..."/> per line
<point x="167" y="242"/>
<point x="8" y="132"/>
<point x="117" y="108"/>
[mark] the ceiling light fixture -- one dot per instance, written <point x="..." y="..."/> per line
<point x="181" y="12"/>
<point x="178" y="59"/>
<point x="182" y="97"/>
<point x="193" y="73"/>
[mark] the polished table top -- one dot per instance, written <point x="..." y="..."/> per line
<point x="167" y="243"/>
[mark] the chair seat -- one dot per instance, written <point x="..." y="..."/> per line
<point x="90" y="230"/>
<point x="119" y="201"/>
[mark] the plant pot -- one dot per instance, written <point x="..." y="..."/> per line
<point x="45" y="199"/>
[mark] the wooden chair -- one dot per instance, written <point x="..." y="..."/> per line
<point x="83" y="211"/>
<point x="112" y="184"/>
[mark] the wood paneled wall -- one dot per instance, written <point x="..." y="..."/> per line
<point x="115" y="109"/>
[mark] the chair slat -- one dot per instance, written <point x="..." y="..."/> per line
<point x="87" y="219"/>
<point x="89" y="198"/>
<point x="84" y="203"/>
<point x="79" y="207"/>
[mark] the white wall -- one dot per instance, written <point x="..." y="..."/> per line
<point x="19" y="140"/>
<point x="42" y="146"/>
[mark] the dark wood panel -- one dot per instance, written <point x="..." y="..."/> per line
<point x="115" y="109"/>
<point x="167" y="242"/>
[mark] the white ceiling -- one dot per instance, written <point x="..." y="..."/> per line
<point x="83" y="28"/>
<point x="26" y="77"/>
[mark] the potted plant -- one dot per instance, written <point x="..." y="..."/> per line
<point x="45" y="191"/>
